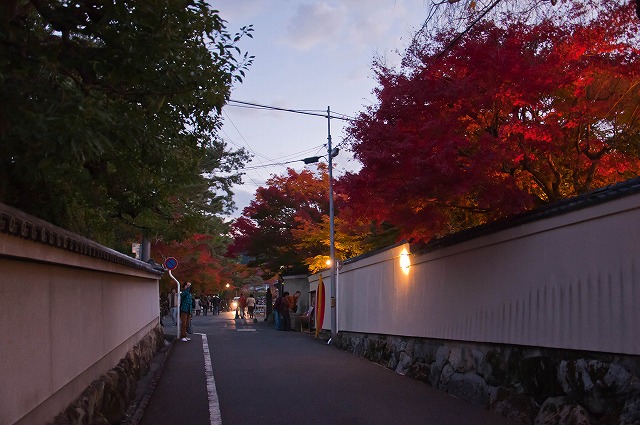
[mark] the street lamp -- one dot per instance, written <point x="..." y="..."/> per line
<point x="332" y="249"/>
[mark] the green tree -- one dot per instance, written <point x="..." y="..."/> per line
<point x="109" y="113"/>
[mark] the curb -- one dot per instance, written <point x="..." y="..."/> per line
<point x="135" y="417"/>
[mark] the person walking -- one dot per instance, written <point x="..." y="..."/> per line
<point x="205" y="303"/>
<point x="251" y="305"/>
<point x="198" y="305"/>
<point x="215" y="302"/>
<point x="186" y="301"/>
<point x="172" y="298"/>
<point x="242" y="304"/>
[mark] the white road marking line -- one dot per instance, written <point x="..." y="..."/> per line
<point x="245" y="330"/>
<point x="212" y="393"/>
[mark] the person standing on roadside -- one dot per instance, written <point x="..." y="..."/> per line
<point x="186" y="301"/>
<point x="293" y="301"/>
<point x="276" y="313"/>
<point x="173" y="305"/>
<point x="269" y="305"/>
<point x="285" y="318"/>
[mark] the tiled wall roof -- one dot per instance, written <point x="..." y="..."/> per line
<point x="598" y="196"/>
<point x="19" y="224"/>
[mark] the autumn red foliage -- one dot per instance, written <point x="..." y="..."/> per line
<point x="287" y="224"/>
<point x="264" y="232"/>
<point x="201" y="263"/>
<point x="515" y="115"/>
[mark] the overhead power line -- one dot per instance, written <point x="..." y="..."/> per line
<point x="275" y="164"/>
<point x="295" y="111"/>
<point x="287" y="159"/>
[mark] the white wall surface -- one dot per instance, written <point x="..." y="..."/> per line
<point x="568" y="281"/>
<point x="67" y="318"/>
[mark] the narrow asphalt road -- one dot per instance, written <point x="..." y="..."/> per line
<point x="256" y="375"/>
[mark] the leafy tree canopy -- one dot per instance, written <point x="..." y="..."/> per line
<point x="515" y="115"/>
<point x="264" y="231"/>
<point x="459" y="15"/>
<point x="202" y="261"/>
<point x="109" y="110"/>
<point x="287" y="224"/>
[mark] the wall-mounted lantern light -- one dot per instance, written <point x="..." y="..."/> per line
<point x="405" y="261"/>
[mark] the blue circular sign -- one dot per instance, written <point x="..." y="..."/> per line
<point x="171" y="263"/>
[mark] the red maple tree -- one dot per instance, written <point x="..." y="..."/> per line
<point x="264" y="232"/>
<point x="287" y="224"/>
<point x="513" y="116"/>
<point x="201" y="261"/>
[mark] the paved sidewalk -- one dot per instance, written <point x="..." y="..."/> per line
<point x="254" y="374"/>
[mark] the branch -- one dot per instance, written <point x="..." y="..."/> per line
<point x="538" y="178"/>
<point x="595" y="156"/>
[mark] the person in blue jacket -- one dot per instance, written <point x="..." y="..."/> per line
<point x="185" y="311"/>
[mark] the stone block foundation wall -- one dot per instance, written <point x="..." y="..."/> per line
<point x="528" y="384"/>
<point x="105" y="401"/>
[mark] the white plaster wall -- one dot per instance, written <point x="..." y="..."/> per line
<point x="569" y="281"/>
<point x="67" y="319"/>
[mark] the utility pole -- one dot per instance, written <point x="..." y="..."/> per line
<point x="332" y="248"/>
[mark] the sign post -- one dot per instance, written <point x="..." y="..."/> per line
<point x="170" y="264"/>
